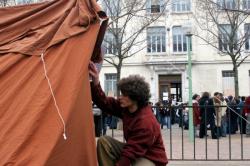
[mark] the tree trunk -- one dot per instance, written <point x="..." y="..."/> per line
<point x="118" y="77"/>
<point x="236" y="81"/>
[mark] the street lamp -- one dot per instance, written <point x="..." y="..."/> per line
<point x="188" y="31"/>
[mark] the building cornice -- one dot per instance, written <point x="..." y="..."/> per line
<point x="180" y="62"/>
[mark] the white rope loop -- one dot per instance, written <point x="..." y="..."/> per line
<point x="53" y="95"/>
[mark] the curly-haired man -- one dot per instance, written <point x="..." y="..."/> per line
<point x="144" y="144"/>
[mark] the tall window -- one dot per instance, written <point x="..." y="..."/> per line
<point x="228" y="82"/>
<point x="181" y="5"/>
<point x="155" y="6"/>
<point x="112" y="7"/>
<point x="225" y="33"/>
<point x="246" y="4"/>
<point x="247" y="36"/>
<point x="227" y="4"/>
<point x="110" y="43"/>
<point x="156" y="39"/>
<point x="110" y="84"/>
<point x="179" y="40"/>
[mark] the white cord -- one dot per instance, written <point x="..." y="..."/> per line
<point x="52" y="93"/>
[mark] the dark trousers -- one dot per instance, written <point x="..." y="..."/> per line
<point x="203" y="128"/>
<point x="242" y="124"/>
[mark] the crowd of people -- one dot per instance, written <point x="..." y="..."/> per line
<point x="221" y="114"/>
<point x="168" y="113"/>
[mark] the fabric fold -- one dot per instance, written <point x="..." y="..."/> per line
<point x="69" y="32"/>
<point x="43" y="25"/>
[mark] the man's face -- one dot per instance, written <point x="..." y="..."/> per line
<point x="125" y="101"/>
<point x="218" y="96"/>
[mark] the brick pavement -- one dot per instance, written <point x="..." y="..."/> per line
<point x="215" y="149"/>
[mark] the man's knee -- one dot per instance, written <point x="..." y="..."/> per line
<point x="102" y="140"/>
<point x="143" y="162"/>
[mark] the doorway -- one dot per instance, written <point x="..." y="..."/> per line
<point x="170" y="87"/>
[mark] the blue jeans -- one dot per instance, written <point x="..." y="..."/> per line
<point x="223" y="126"/>
<point x="104" y="125"/>
<point x="165" y="120"/>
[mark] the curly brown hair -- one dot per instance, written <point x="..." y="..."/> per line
<point x="136" y="88"/>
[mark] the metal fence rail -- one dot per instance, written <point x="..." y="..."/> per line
<point x="233" y="147"/>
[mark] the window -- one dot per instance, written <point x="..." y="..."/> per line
<point x="112" y="7"/>
<point x="249" y="81"/>
<point x="19" y="2"/>
<point x="246" y="4"/>
<point x="155" y="6"/>
<point x="227" y="4"/>
<point x="225" y="34"/>
<point x="181" y="5"/>
<point x="156" y="39"/>
<point x="247" y="36"/>
<point x="228" y="82"/>
<point x="228" y="73"/>
<point x="179" y="40"/>
<point x="110" y="42"/>
<point x="110" y="84"/>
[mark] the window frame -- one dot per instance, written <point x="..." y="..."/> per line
<point x="223" y="4"/>
<point x="228" y="82"/>
<point x="110" y="42"/>
<point x="179" y="40"/>
<point x="181" y="6"/>
<point x="223" y="35"/>
<point x="114" y="8"/>
<point x="154" y="8"/>
<point x="159" y="45"/>
<point x="113" y="82"/>
<point x="247" y="37"/>
<point x="246" y="5"/>
<point x="21" y="2"/>
<point x="227" y="73"/>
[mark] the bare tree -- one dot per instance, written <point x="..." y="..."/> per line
<point x="27" y="1"/>
<point x="4" y="3"/>
<point x="128" y="20"/>
<point x="223" y="24"/>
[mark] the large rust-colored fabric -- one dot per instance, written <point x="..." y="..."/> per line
<point x="68" y="32"/>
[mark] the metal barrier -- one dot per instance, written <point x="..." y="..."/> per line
<point x="233" y="147"/>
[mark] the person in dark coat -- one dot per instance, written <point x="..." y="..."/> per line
<point x="232" y="115"/>
<point x="242" y="122"/>
<point x="157" y="110"/>
<point x="207" y="114"/>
